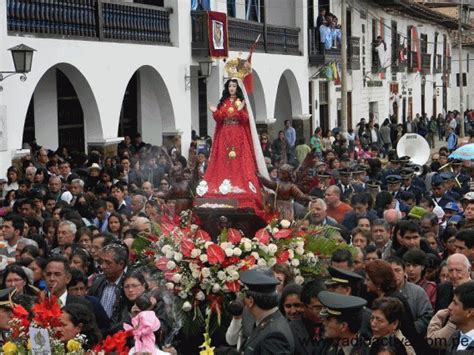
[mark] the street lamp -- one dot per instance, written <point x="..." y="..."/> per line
<point x="22" y="60"/>
<point x="205" y="70"/>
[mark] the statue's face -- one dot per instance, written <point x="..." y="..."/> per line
<point x="232" y="88"/>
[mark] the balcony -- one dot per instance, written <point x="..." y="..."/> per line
<point x="398" y="66"/>
<point x="353" y="53"/>
<point x="426" y="63"/>
<point x="317" y="54"/>
<point x="99" y="20"/>
<point x="242" y="34"/>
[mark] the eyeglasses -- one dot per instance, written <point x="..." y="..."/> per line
<point x="132" y="286"/>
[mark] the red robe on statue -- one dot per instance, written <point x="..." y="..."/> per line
<point x="231" y="173"/>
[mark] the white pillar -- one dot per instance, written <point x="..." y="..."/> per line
<point x="46" y="111"/>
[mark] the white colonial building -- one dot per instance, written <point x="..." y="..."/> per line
<point x="108" y="68"/>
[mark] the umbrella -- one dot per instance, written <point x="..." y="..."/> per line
<point x="466" y="152"/>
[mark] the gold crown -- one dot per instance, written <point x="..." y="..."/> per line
<point x="238" y="68"/>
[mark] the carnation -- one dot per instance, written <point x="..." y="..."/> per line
<point x="205" y="272"/>
<point x="169" y="285"/>
<point x="170" y="265"/>
<point x="178" y="257"/>
<point x="195" y="253"/>
<point x="200" y="296"/>
<point x="285" y="224"/>
<point x="237" y="252"/>
<point x="176" y="278"/>
<point x="187" y="306"/>
<point x="272" y="248"/>
<point x="299" y="280"/>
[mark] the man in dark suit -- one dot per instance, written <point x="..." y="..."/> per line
<point x="272" y="333"/>
<point x="308" y="330"/>
<point x="345" y="185"/>
<point x="460" y="273"/>
<point x="407" y="177"/>
<point x="461" y="313"/>
<point x="57" y="276"/>
<point x="438" y="189"/>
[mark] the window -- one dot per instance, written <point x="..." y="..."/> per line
<point x="254" y="10"/>
<point x="464" y="79"/>
<point x="231" y="8"/>
<point x="323" y="93"/>
<point x="424" y="43"/>
<point x="200" y="5"/>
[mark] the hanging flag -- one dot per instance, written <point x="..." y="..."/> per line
<point x="415" y="47"/>
<point x="218" y="41"/>
<point x="337" y="79"/>
<point x="335" y="74"/>
<point x="248" y="80"/>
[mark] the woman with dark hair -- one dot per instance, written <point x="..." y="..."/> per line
<point x="115" y="225"/>
<point x="38" y="266"/>
<point x="83" y="261"/>
<point x="15" y="276"/>
<point x="290" y="304"/>
<point x="84" y="238"/>
<point x="233" y="148"/>
<point x="41" y="178"/>
<point x="380" y="282"/>
<point x="284" y="274"/>
<point x="387" y="314"/>
<point x="78" y="319"/>
<point x="13" y="175"/>
<point x="9" y="199"/>
<point x="50" y="228"/>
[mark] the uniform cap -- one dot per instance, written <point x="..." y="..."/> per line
<point x="259" y="280"/>
<point x="345" y="172"/>
<point x="340" y="276"/>
<point x="436" y="180"/>
<point x="373" y="184"/>
<point x="407" y="172"/>
<point x="338" y="305"/>
<point x="393" y="179"/>
<point x="6" y="297"/>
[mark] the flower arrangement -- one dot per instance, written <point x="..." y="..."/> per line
<point x="114" y="344"/>
<point x="46" y="315"/>
<point x="204" y="274"/>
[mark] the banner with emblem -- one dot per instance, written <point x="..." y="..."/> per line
<point x="218" y="40"/>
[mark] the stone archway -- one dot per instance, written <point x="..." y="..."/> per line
<point x="147" y="108"/>
<point x="257" y="99"/>
<point x="62" y="110"/>
<point x="288" y="99"/>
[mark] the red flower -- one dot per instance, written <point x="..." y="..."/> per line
<point x="20" y="312"/>
<point x="203" y="235"/>
<point x="230" y="261"/>
<point x="187" y="246"/>
<point x="283" y="234"/>
<point x="153" y="238"/>
<point x="161" y="263"/>
<point x="47" y="312"/>
<point x="283" y="257"/>
<point x="167" y="227"/>
<point x="233" y="286"/>
<point x="248" y="262"/>
<point x="215" y="254"/>
<point x="234" y="236"/>
<point x="263" y="236"/>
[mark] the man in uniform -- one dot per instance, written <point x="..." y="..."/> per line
<point x="271" y="334"/>
<point x="342" y="324"/>
<point x="394" y="185"/>
<point x="408" y="185"/>
<point x="346" y="282"/>
<point x="347" y="188"/>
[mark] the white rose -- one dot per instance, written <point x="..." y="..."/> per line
<point x="229" y="252"/>
<point x="196" y="274"/>
<point x="178" y="257"/>
<point x="233" y="275"/>
<point x="225" y="245"/>
<point x="271" y="262"/>
<point x="237" y="252"/>
<point x="272" y="248"/>
<point x="169" y="285"/>
<point x="170" y="265"/>
<point x="310" y="255"/>
<point x="285" y="224"/>
<point x="176" y="278"/>
<point x="183" y="295"/>
<point x="221" y="275"/>
<point x="300" y="244"/>
<point x="208" y="243"/>
<point x="166" y="249"/>
<point x="299" y="251"/>
<point x="187" y="306"/>
<point x="216" y="288"/>
<point x="169" y="255"/>
<point x="203" y="258"/>
<point x="205" y="272"/>
<point x="263" y="248"/>
<point x="247" y="246"/>
<point x="291" y="254"/>
<point x="275" y="230"/>
<point x="261" y="262"/>
<point x="295" y="262"/>
<point x="255" y="255"/>
<point x="299" y="280"/>
<point x="200" y="296"/>
<point x="245" y="240"/>
<point x="195" y="253"/>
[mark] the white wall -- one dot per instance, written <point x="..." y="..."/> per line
<point x="469" y="89"/>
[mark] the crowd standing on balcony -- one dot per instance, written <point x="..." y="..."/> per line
<point x="68" y="222"/>
<point x="329" y="30"/>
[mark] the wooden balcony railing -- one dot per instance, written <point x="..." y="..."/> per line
<point x="317" y="54"/>
<point x="111" y="20"/>
<point x="242" y="34"/>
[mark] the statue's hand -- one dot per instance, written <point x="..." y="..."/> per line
<point x="212" y="108"/>
<point x="241" y="106"/>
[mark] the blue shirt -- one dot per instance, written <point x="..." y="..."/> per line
<point x="290" y="135"/>
<point x="452" y="141"/>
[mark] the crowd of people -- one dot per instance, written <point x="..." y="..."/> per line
<point x="68" y="222"/>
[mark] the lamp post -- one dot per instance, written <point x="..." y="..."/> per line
<point x="22" y="60"/>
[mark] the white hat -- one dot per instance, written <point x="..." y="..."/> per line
<point x="438" y="211"/>
<point x="468" y="196"/>
<point x="94" y="166"/>
<point x="66" y="197"/>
